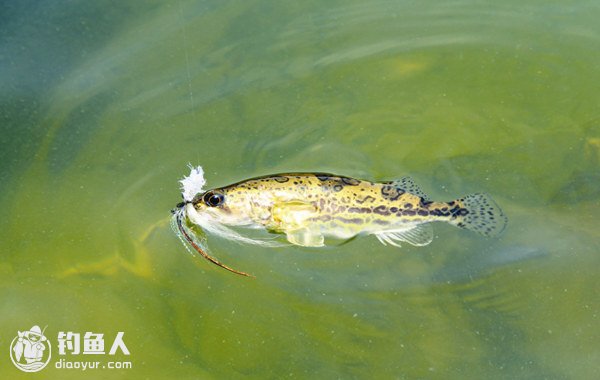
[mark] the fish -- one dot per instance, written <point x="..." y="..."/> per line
<point x="311" y="209"/>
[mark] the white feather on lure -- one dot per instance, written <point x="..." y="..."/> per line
<point x="214" y="227"/>
<point x="193" y="183"/>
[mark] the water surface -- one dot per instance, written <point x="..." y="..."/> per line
<point x="103" y="105"/>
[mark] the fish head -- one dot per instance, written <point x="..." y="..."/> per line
<point x="224" y="206"/>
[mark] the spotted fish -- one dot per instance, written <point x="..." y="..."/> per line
<point x="312" y="208"/>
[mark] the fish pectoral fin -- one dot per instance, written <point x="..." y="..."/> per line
<point x="292" y="212"/>
<point x="419" y="235"/>
<point x="305" y="237"/>
<point x="409" y="186"/>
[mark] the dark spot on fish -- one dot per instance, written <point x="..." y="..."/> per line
<point x="333" y="208"/>
<point x="408" y="206"/>
<point x="281" y="179"/>
<point x="393" y="209"/>
<point x="381" y="222"/>
<point x="409" y="212"/>
<point x="424" y="202"/>
<point x="352" y="220"/>
<point x="423" y="212"/>
<point x="391" y="193"/>
<point x="350" y="181"/>
<point x="360" y="210"/>
<point x="323" y="177"/>
<point x="435" y="212"/>
<point x="381" y="210"/>
<point x="338" y="187"/>
<point x="365" y="199"/>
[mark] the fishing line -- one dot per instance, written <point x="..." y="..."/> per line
<point x="187" y="59"/>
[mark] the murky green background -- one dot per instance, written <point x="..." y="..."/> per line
<point x="103" y="104"/>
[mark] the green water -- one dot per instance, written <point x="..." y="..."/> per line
<point x="102" y="105"/>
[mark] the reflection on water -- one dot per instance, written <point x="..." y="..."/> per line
<point x="101" y="115"/>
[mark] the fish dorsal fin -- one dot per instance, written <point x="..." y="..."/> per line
<point x="305" y="237"/>
<point x="409" y="186"/>
<point x="419" y="235"/>
<point x="292" y="214"/>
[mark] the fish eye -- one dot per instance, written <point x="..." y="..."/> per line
<point x="212" y="199"/>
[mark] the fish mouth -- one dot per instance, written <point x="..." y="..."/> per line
<point x="178" y="207"/>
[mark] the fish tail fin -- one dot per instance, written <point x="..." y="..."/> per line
<point x="479" y="213"/>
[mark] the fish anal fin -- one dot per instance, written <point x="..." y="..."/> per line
<point x="305" y="237"/>
<point x="418" y="235"/>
